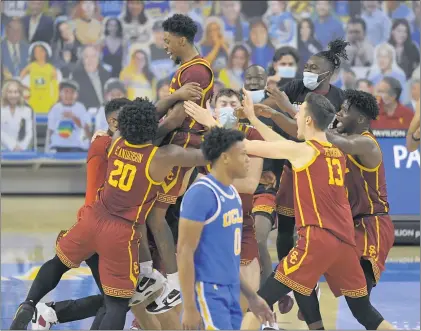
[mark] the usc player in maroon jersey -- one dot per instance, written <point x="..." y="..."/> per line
<point x="326" y="244"/>
<point x="111" y="226"/>
<point x="365" y="182"/>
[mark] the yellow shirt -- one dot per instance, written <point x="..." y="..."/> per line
<point x="43" y="87"/>
<point x="138" y="85"/>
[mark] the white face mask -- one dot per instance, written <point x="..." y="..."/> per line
<point x="310" y="80"/>
<point x="257" y="96"/>
<point x="286" y="71"/>
<point x="227" y="117"/>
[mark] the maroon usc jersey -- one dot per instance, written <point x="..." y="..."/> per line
<point x="319" y="193"/>
<point x="366" y="187"/>
<point x="129" y="192"/>
<point x="196" y="70"/>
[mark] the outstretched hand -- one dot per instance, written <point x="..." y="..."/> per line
<point x="260" y="308"/>
<point x="280" y="97"/>
<point x="248" y="105"/>
<point x="201" y="115"/>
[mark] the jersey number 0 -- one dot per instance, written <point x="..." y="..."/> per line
<point x="123" y="176"/>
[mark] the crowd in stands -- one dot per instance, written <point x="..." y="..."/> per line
<point x="62" y="60"/>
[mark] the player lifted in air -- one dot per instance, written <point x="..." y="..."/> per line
<point x="365" y="181"/>
<point x="111" y="227"/>
<point x="326" y="244"/>
<point x="209" y="244"/>
<point x="183" y="131"/>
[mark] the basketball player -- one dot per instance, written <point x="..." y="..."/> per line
<point x="209" y="244"/>
<point x="179" y="33"/>
<point x="413" y="135"/>
<point x="316" y="77"/>
<point x="326" y="244"/>
<point x="111" y="226"/>
<point x="365" y="182"/>
<point x="47" y="314"/>
<point x="226" y="101"/>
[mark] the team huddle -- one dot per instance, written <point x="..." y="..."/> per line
<point x="180" y="201"/>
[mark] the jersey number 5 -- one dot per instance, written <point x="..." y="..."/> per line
<point x="336" y="178"/>
<point x="123" y="176"/>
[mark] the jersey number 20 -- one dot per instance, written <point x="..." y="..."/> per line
<point x="336" y="178"/>
<point x="123" y="176"/>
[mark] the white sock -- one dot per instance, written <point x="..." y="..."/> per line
<point x="146" y="268"/>
<point x="173" y="280"/>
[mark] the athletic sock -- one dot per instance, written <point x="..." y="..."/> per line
<point x="146" y="268"/>
<point x="173" y="280"/>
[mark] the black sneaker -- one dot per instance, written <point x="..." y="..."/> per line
<point x="23" y="316"/>
<point x="169" y="299"/>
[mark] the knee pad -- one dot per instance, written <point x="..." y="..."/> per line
<point x="364" y="312"/>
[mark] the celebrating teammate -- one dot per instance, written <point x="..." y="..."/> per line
<point x="326" y="243"/>
<point x="365" y="181"/>
<point x="209" y="244"/>
<point x="110" y="227"/>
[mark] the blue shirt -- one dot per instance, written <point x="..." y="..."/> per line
<point x="262" y="56"/>
<point x="378" y="26"/>
<point x="219" y="208"/>
<point x="328" y="30"/>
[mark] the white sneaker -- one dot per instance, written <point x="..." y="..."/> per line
<point x="169" y="298"/>
<point x="267" y="326"/>
<point x="44" y="317"/>
<point x="135" y="325"/>
<point x="146" y="286"/>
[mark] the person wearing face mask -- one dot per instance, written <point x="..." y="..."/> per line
<point x="317" y="74"/>
<point x="284" y="66"/>
<point x="226" y="101"/>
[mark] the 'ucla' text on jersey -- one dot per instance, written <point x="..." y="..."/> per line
<point x="217" y="257"/>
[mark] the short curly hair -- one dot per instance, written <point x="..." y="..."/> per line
<point x="181" y="25"/>
<point x="137" y="121"/>
<point x="218" y="141"/>
<point x="364" y="102"/>
<point x="115" y="104"/>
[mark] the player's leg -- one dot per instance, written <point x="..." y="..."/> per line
<point x="251" y="272"/>
<point x="285" y="238"/>
<point x="73" y="248"/>
<point x="265" y="217"/>
<point x="346" y="277"/>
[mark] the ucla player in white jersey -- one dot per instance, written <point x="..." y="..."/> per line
<point x="209" y="242"/>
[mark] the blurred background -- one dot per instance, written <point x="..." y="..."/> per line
<point x="115" y="48"/>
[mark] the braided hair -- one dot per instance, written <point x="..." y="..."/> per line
<point x="336" y="51"/>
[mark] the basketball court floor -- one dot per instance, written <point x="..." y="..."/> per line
<point x="29" y="226"/>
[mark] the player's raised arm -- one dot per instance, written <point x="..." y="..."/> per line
<point x="174" y="120"/>
<point x="267" y="133"/>
<point x="357" y="111"/>
<point x="413" y="135"/>
<point x="200" y="114"/>
<point x="285" y="149"/>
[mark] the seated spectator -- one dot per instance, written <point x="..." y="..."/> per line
<point x="41" y="77"/>
<point x="262" y="50"/>
<point x="385" y="65"/>
<point x="91" y="77"/>
<point x="346" y="79"/>
<point x="86" y="21"/>
<point x="235" y="26"/>
<point x="281" y="24"/>
<point x="112" y="50"/>
<point x="37" y="26"/>
<point x="392" y="115"/>
<point x="17" y="119"/>
<point x="377" y="22"/>
<point x="326" y="26"/>
<point x="137" y="76"/>
<point x="284" y="66"/>
<point x="238" y="62"/>
<point x="136" y="25"/>
<point x="407" y="53"/>
<point x="113" y="89"/>
<point x="360" y="51"/>
<point x="415" y="93"/>
<point x="308" y="45"/>
<point x="64" y="42"/>
<point x="68" y="122"/>
<point x="161" y="65"/>
<point x="162" y="89"/>
<point x="214" y="46"/>
<point x="14" y="48"/>
<point x="365" y="85"/>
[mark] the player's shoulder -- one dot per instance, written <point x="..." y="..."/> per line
<point x="99" y="147"/>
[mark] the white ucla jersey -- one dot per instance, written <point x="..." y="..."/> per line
<point x="217" y="257"/>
